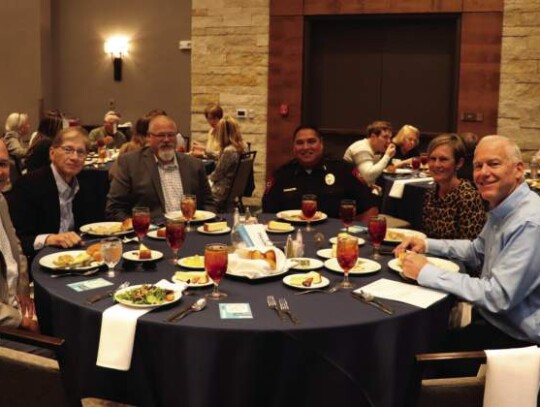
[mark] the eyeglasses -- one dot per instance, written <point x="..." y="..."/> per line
<point x="161" y="136"/>
<point x="70" y="150"/>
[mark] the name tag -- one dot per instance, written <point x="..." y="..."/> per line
<point x="289" y="189"/>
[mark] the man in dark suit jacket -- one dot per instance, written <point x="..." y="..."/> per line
<point x="157" y="176"/>
<point x="47" y="206"/>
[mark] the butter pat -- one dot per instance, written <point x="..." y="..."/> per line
<point x="274" y="225"/>
<point x="214" y="226"/>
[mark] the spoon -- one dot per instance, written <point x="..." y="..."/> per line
<point x="76" y="273"/>
<point x="195" y="307"/>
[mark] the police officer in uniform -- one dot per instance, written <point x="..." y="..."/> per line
<point x="312" y="173"/>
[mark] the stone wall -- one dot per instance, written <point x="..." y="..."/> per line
<point x="229" y="65"/>
<point x="519" y="101"/>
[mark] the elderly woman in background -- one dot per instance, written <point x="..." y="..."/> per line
<point x="213" y="114"/>
<point x="406" y="141"/>
<point x="454" y="209"/>
<point x="17" y="136"/>
<point x="38" y="153"/>
<point x="231" y="145"/>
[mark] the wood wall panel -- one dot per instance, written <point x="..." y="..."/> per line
<point x="483" y="5"/>
<point x="284" y="86"/>
<point x="330" y="7"/>
<point x="286" y="8"/>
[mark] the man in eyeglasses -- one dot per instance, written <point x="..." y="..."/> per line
<point x="48" y="205"/>
<point x="157" y="176"/>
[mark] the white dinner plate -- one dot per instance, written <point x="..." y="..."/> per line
<point x="399" y="171"/>
<point x="185" y="262"/>
<point x="48" y="261"/>
<point x="243" y="276"/>
<point x="287" y="281"/>
<point x="396" y="235"/>
<point x="441" y="263"/>
<point x="288" y="230"/>
<point x="310" y="264"/>
<point x="133" y="255"/>
<point x="93" y="229"/>
<point x="361" y="241"/>
<point x="295" y="215"/>
<point x="200" y="216"/>
<point x="177" y="296"/>
<point x="152" y="234"/>
<point x="325" y="253"/>
<point x="176" y="280"/>
<point x="363" y="266"/>
<point x="224" y="231"/>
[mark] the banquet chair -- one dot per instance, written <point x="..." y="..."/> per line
<point x="240" y="181"/>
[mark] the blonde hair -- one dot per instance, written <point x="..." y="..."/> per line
<point x="404" y="132"/>
<point x="15" y="120"/>
<point x="228" y="133"/>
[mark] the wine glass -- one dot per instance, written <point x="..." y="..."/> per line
<point x="415" y="165"/>
<point x="423" y="159"/>
<point x="347" y="256"/>
<point x="188" y="205"/>
<point x="216" y="257"/>
<point x="175" y="234"/>
<point x="309" y="209"/>
<point x="141" y="221"/>
<point x="111" y="252"/>
<point x="377" y="231"/>
<point x="347" y="212"/>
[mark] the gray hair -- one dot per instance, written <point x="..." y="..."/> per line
<point x="512" y="149"/>
<point x="15" y="120"/>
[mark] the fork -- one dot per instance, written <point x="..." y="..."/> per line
<point x="330" y="290"/>
<point x="76" y="273"/>
<point x="284" y="307"/>
<point x="372" y="300"/>
<point x="108" y="294"/>
<point x="272" y="304"/>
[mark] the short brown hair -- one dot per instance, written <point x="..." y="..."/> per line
<point x="377" y="127"/>
<point x="214" y="110"/>
<point x="453" y="141"/>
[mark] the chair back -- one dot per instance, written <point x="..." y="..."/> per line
<point x="241" y="177"/>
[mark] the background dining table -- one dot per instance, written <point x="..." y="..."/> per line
<point x="343" y="353"/>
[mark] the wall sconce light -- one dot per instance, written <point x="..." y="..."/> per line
<point x="117" y="47"/>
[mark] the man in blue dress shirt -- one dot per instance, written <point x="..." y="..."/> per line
<point x="506" y="295"/>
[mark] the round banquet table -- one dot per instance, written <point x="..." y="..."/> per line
<point x="343" y="353"/>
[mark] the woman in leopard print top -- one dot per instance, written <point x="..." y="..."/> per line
<point x="454" y="209"/>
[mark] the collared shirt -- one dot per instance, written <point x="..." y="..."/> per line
<point x="66" y="194"/>
<point x="508" y="291"/>
<point x="12" y="268"/>
<point x="171" y="184"/>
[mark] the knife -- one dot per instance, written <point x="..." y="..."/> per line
<point x="370" y="300"/>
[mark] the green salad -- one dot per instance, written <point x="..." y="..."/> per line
<point x="147" y="294"/>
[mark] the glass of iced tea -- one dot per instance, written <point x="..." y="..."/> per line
<point x="347" y="256"/>
<point x="175" y="234"/>
<point x="424" y="159"/>
<point x="111" y="253"/>
<point x="377" y="232"/>
<point x="216" y="257"/>
<point x="188" y="205"/>
<point x="347" y="212"/>
<point x="415" y="165"/>
<point x="309" y="209"/>
<point x="141" y="221"/>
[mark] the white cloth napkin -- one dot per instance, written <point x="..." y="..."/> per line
<point x="399" y="185"/>
<point x="255" y="268"/>
<point x="411" y="294"/>
<point x="512" y="377"/>
<point x="117" y="336"/>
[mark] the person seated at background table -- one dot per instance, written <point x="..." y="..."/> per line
<point x="365" y="153"/>
<point x="213" y="114"/>
<point x="454" y="208"/>
<point x="406" y="140"/>
<point x="310" y="172"/>
<point x="231" y="145"/>
<point x="470" y="140"/>
<point x="38" y="152"/>
<point x="507" y="293"/>
<point x="157" y="176"/>
<point x="16" y="138"/>
<point x="109" y="133"/>
<point x="137" y="142"/>
<point x="16" y="306"/>
<point x="49" y="204"/>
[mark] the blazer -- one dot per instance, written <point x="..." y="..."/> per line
<point x="35" y="206"/>
<point x="137" y="183"/>
<point x="10" y="316"/>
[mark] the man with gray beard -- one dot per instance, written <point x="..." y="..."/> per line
<point x="157" y="176"/>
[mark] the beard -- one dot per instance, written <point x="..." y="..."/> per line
<point x="166" y="154"/>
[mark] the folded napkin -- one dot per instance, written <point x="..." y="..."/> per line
<point x="118" y="325"/>
<point x="512" y="377"/>
<point x="399" y="185"/>
<point x="240" y="266"/>
<point x="411" y="294"/>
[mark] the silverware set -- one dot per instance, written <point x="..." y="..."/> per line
<point x="330" y="290"/>
<point x="282" y="309"/>
<point x="76" y="273"/>
<point x="373" y="301"/>
<point x="108" y="294"/>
